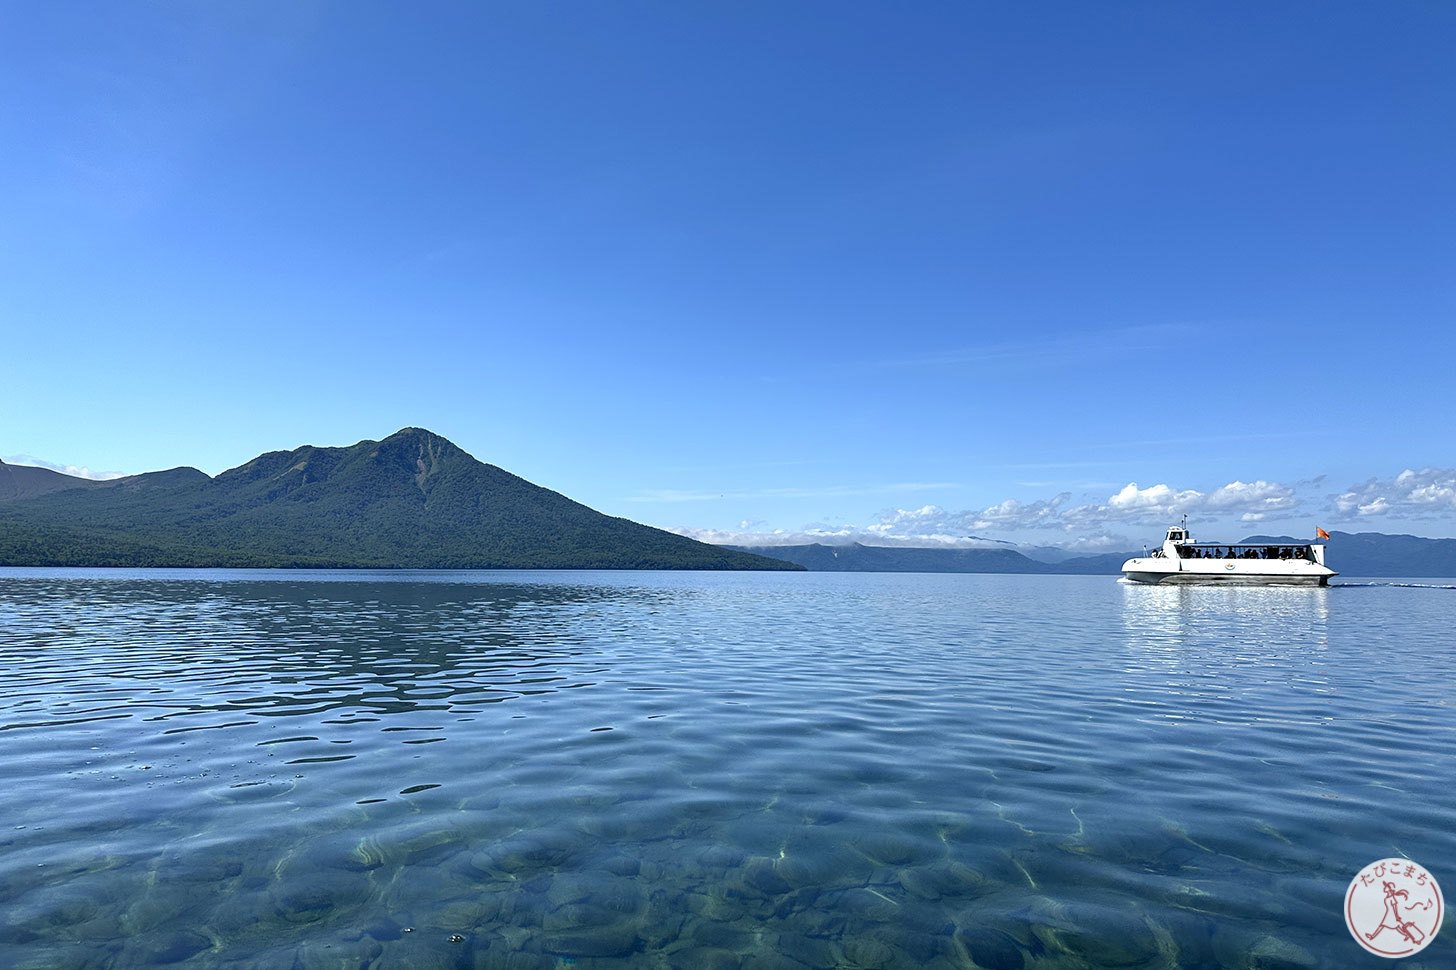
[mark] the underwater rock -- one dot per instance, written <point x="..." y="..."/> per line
<point x="622" y="865"/>
<point x="538" y="885"/>
<point x="1272" y="953"/>
<point x="923" y="883"/>
<point x="605" y="941"/>
<point x="991" y="949"/>
<point x="869" y="904"/>
<point x="920" y="946"/>
<point x="484" y="862"/>
<point x="806" y="864"/>
<point x="366" y="855"/>
<point x="869" y="954"/>
<point x="156" y="909"/>
<point x="597" y="889"/>
<point x="176" y="947"/>
<point x="621" y="896"/>
<point x="578" y="916"/>
<point x="206" y="868"/>
<point x="17" y="935"/>
<point x="324" y="955"/>
<point x="67" y="909"/>
<point x="705" y="958"/>
<point x="311" y="900"/>
<point x="824" y="814"/>
<point x="964" y="881"/>
<point x="71" y="957"/>
<point x="1186" y="939"/>
<point x="760" y="873"/>
<point x="768" y="960"/>
<point x="491" y="960"/>
<point x="721" y="857"/>
<point x="795" y="902"/>
<point x="809" y="950"/>
<point x="430" y="846"/>
<point x="536" y="850"/>
<point x="1110" y="943"/>
<point x="469" y="912"/>
<point x="722" y="936"/>
<point x="890" y="848"/>
<point x="383" y="928"/>
<point x="826" y="921"/>
<point x="519" y="938"/>
<point x="715" y="906"/>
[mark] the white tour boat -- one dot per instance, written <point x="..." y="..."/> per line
<point x="1181" y="560"/>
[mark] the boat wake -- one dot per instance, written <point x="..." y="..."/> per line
<point x="1401" y="585"/>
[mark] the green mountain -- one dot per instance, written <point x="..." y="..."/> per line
<point x="413" y="500"/>
<point x="24" y="481"/>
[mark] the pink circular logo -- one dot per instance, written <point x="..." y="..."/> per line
<point x="1393" y="908"/>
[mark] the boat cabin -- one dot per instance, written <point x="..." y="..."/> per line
<point x="1180" y="544"/>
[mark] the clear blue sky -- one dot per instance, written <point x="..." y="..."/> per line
<point x="754" y="266"/>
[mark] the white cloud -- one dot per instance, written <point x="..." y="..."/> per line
<point x="77" y="471"/>
<point x="1418" y="494"/>
<point x="1250" y="501"/>
<point x="1015" y="514"/>
<point x="1157" y="500"/>
<point x="1259" y="498"/>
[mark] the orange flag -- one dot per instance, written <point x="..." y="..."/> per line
<point x="1321" y="533"/>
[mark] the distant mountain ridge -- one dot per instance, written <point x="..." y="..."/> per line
<point x="412" y="500"/>
<point x="1371" y="554"/>
<point x="855" y="557"/>
<point x="27" y="481"/>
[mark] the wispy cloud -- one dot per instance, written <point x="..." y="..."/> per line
<point x="79" y="471"/>
<point x="754" y="535"/>
<point x="825" y="491"/>
<point x="1072" y="348"/>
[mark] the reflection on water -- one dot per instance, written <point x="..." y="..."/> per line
<point x="521" y="770"/>
<point x="1183" y="615"/>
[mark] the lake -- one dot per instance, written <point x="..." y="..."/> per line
<point x="711" y="770"/>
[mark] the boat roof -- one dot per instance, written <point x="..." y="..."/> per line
<point x="1253" y="545"/>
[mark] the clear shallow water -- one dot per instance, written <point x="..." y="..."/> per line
<point x="710" y="770"/>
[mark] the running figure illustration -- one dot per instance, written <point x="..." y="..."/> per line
<point x="1391" y="918"/>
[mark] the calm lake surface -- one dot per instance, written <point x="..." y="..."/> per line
<point x="590" y="769"/>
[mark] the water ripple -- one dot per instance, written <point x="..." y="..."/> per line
<point x="514" y="769"/>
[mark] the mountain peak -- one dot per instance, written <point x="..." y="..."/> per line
<point x="413" y="500"/>
<point x="419" y="434"/>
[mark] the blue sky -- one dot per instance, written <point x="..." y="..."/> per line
<point x="903" y="273"/>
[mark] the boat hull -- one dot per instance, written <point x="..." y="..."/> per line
<point x="1162" y="570"/>
<point x="1223" y="579"/>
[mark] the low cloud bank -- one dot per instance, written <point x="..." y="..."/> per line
<point x="1101" y="526"/>
<point x="77" y="471"/>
